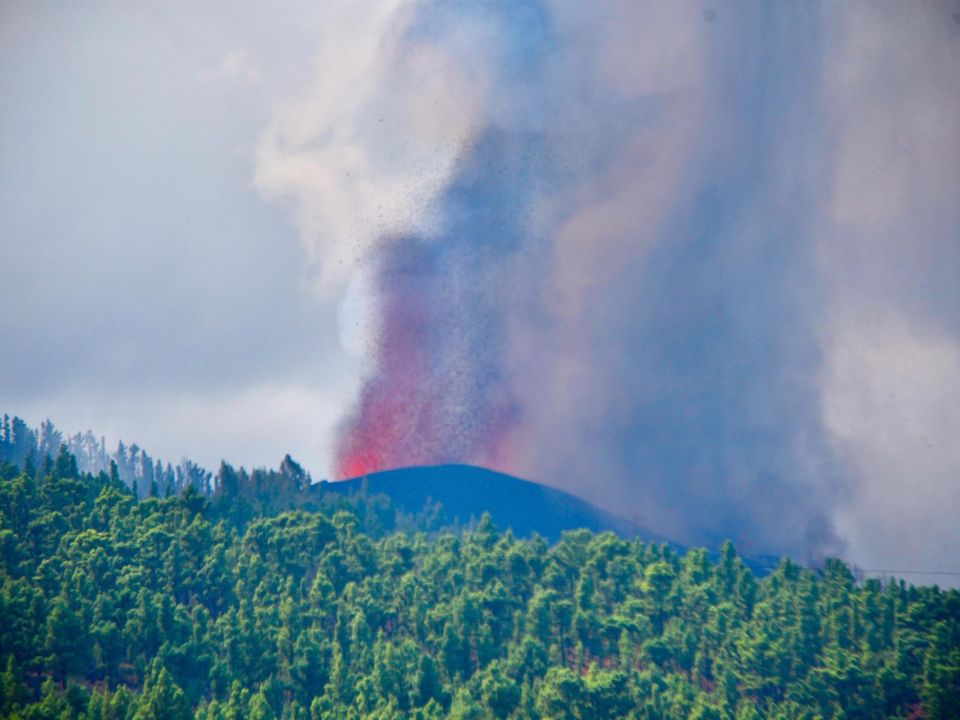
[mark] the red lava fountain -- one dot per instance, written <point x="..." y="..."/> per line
<point x="437" y="395"/>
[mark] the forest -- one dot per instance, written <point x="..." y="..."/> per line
<point x="247" y="602"/>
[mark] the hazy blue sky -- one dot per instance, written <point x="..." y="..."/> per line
<point x="153" y="293"/>
<point x="698" y="262"/>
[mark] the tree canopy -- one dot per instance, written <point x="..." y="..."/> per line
<point x="239" y="604"/>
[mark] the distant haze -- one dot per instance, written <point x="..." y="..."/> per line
<point x="698" y="263"/>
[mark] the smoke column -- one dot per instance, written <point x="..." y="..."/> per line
<point x="441" y="392"/>
<point x="629" y="271"/>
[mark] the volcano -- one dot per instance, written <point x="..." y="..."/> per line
<point x="465" y="492"/>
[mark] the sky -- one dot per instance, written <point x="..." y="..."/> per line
<point x="695" y="262"/>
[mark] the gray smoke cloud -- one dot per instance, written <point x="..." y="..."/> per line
<point x="684" y="296"/>
<point x="699" y="242"/>
<point x="888" y="245"/>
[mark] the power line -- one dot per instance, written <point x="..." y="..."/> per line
<point x="854" y="568"/>
<point x="907" y="572"/>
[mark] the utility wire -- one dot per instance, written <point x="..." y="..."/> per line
<point x="907" y="572"/>
<point x="854" y="568"/>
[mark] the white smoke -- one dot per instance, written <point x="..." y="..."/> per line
<point x="360" y="154"/>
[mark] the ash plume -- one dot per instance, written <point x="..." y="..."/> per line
<point x="629" y="270"/>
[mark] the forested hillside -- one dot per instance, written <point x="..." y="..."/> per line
<point x="219" y="607"/>
<point x="25" y="446"/>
